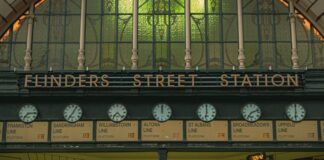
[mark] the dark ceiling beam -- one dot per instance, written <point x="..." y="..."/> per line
<point x="13" y="8"/>
<point x="14" y="16"/>
<point x="309" y="14"/>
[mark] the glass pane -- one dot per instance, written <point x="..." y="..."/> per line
<point x="94" y="7"/>
<point x="253" y="55"/>
<point x="266" y="27"/>
<point x="177" y="28"/>
<point x="230" y="28"/>
<point x="109" y="6"/>
<point x="198" y="54"/>
<point x="55" y="55"/>
<point x="319" y="55"/>
<point x="57" y="25"/>
<point x="40" y="33"/>
<point x="43" y="8"/>
<point x="213" y="6"/>
<point x="39" y="56"/>
<point x="92" y="55"/>
<point x="268" y="55"/>
<point x="161" y="27"/>
<point x="198" y="28"/>
<point x="109" y="29"/>
<point x="265" y="6"/>
<point x="72" y="32"/>
<point x="197" y="6"/>
<point x="214" y="28"/>
<point x="249" y="6"/>
<point x="283" y="54"/>
<point x="145" y="56"/>
<point x="58" y="6"/>
<point x="161" y="55"/>
<point x="303" y="29"/>
<point x="93" y="29"/>
<point x="161" y="6"/>
<point x="17" y="56"/>
<point x="214" y="56"/>
<point x="281" y="6"/>
<point x="177" y="6"/>
<point x="281" y="26"/>
<point x="145" y="29"/>
<point x="305" y="55"/>
<point x="124" y="55"/>
<point x="73" y="6"/>
<point x="230" y="55"/>
<point x="20" y="31"/>
<point x="108" y="56"/>
<point x="177" y="56"/>
<point x="145" y="6"/>
<point x="125" y="28"/>
<point x="251" y="27"/>
<point x="125" y="6"/>
<point x="70" y="57"/>
<point x="229" y="6"/>
<point x="4" y="56"/>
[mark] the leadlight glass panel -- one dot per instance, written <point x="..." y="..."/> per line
<point x="161" y="39"/>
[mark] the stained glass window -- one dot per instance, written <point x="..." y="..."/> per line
<point x="161" y="36"/>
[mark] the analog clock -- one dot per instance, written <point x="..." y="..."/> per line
<point x="251" y="112"/>
<point x="117" y="112"/>
<point x="28" y="113"/>
<point x="295" y="112"/>
<point x="72" y="113"/>
<point x="162" y="112"/>
<point x="206" y="112"/>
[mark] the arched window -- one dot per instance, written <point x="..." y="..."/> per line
<point x="161" y="36"/>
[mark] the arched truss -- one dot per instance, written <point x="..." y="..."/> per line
<point x="11" y="10"/>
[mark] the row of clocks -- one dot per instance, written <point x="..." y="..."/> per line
<point x="163" y="112"/>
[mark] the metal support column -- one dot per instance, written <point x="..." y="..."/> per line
<point x="188" y="38"/>
<point x="81" y="56"/>
<point x="28" y="53"/>
<point x="294" y="54"/>
<point x="134" y="57"/>
<point x="241" y="56"/>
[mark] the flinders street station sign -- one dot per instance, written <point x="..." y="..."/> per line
<point x="157" y="80"/>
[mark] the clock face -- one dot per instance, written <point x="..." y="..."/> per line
<point x="296" y="112"/>
<point x="72" y="113"/>
<point x="162" y="112"/>
<point x="251" y="112"/>
<point x="28" y="113"/>
<point x="117" y="112"/>
<point x="206" y="112"/>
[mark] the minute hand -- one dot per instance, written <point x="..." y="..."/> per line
<point x="72" y="112"/>
<point x="252" y="112"/>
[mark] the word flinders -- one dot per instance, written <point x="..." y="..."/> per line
<point x="159" y="80"/>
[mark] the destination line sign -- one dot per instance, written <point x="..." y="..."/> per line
<point x="161" y="80"/>
<point x="301" y="131"/>
<point x="170" y="131"/>
<point x="22" y="132"/>
<point x="72" y="132"/>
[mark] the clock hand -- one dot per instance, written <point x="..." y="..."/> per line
<point x="162" y="109"/>
<point x="206" y="111"/>
<point x="295" y="112"/>
<point x="28" y="113"/>
<point x="252" y="113"/>
<point x="74" y="109"/>
<point x="116" y="114"/>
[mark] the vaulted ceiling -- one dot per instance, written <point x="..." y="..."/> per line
<point x="11" y="10"/>
<point x="313" y="10"/>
